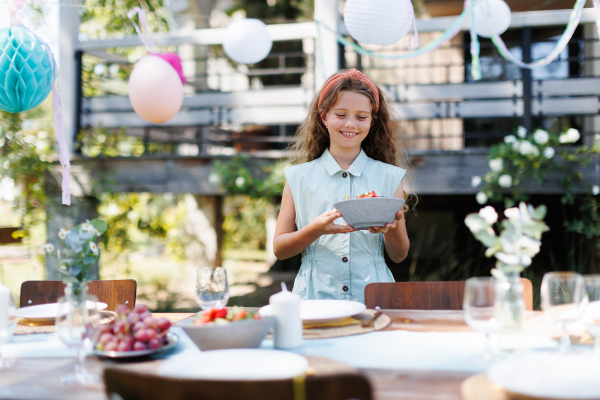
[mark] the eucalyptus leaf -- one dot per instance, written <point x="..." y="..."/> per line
<point x="100" y="225"/>
<point x="89" y="260"/>
<point x="76" y="269"/>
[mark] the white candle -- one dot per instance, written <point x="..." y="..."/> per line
<point x="287" y="333"/>
<point x="4" y="294"/>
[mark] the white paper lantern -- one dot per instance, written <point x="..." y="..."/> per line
<point x="247" y="41"/>
<point x="155" y="89"/>
<point x="499" y="13"/>
<point x="381" y="22"/>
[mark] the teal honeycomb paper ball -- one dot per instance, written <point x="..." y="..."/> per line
<point x="25" y="70"/>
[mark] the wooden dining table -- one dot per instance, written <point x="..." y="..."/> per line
<point x="39" y="378"/>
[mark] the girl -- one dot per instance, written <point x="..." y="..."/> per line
<point x="348" y="145"/>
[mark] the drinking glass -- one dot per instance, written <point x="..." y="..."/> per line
<point x="7" y="321"/>
<point x="591" y="315"/>
<point x="77" y="327"/>
<point x="212" y="289"/>
<point x="563" y="302"/>
<point x="480" y="308"/>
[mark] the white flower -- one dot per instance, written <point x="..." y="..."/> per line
<point x="512" y="213"/>
<point x="595" y="190"/>
<point x="549" y="152"/>
<point x="94" y="248"/>
<point x="475" y="181"/>
<point x="48" y="247"/>
<point x="481" y="198"/>
<point x="570" y="136"/>
<point x="510" y="139"/>
<point x="63" y="233"/>
<point x="516" y="145"/>
<point x="496" y="164"/>
<point x="62" y="267"/>
<point x="87" y="226"/>
<point x="521" y="131"/>
<point x="526" y="147"/>
<point x="214" y="179"/>
<point x="489" y="214"/>
<point x="541" y="137"/>
<point x="505" y="181"/>
<point x="239" y="181"/>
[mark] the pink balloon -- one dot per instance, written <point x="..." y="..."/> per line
<point x="155" y="89"/>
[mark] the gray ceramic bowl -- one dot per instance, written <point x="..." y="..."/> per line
<point x="245" y="334"/>
<point x="369" y="212"/>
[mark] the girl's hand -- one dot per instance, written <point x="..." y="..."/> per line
<point x="324" y="225"/>
<point x="387" y="227"/>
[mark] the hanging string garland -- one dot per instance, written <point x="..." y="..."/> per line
<point x="434" y="44"/>
<point x="495" y="37"/>
<point x="558" y="48"/>
<point x="28" y="74"/>
<point x="156" y="82"/>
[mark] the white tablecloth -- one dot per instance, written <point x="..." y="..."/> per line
<point x="444" y="351"/>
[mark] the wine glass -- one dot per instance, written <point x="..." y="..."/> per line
<point x="7" y="321"/>
<point x="212" y="289"/>
<point x="591" y="315"/>
<point x="77" y="327"/>
<point x="563" y="302"/>
<point x="480" y="308"/>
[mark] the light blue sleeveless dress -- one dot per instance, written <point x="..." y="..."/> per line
<point x="339" y="266"/>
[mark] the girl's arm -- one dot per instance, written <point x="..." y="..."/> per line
<point x="288" y="240"/>
<point x="394" y="234"/>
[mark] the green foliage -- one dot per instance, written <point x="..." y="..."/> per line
<point x="274" y="9"/>
<point x="244" y="222"/>
<point x="249" y="177"/>
<point x="101" y="23"/>
<point x="535" y="156"/>
<point x="138" y="217"/>
<point x="25" y="156"/>
<point x="100" y="141"/>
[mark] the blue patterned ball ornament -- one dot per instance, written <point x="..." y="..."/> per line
<point x="25" y="70"/>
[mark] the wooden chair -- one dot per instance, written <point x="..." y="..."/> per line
<point x="130" y="385"/>
<point x="111" y="292"/>
<point x="426" y="295"/>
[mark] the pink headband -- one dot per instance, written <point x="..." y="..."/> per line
<point x="354" y="75"/>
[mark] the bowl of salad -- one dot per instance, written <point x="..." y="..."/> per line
<point x="227" y="328"/>
<point x="368" y="210"/>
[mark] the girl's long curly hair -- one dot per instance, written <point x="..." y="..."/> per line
<point x="383" y="143"/>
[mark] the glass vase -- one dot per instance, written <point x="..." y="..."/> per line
<point x="76" y="326"/>
<point x="511" y="308"/>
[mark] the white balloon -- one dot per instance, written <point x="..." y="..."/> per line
<point x="155" y="89"/>
<point x="381" y="22"/>
<point x="499" y="13"/>
<point x="247" y="41"/>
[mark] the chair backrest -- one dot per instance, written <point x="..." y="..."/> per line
<point x="111" y="292"/>
<point x="130" y="385"/>
<point x="426" y="295"/>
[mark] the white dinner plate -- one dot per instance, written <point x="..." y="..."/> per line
<point x="549" y="376"/>
<point x="49" y="311"/>
<point x="235" y="364"/>
<point x="323" y="311"/>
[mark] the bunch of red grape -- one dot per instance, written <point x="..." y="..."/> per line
<point x="133" y="331"/>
